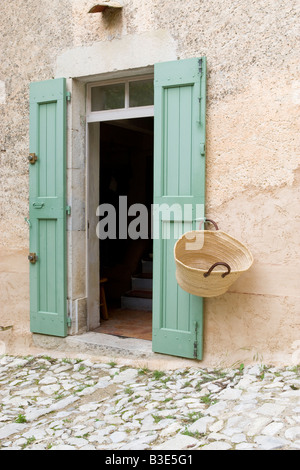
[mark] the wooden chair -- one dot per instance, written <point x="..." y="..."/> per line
<point x="103" y="305"/>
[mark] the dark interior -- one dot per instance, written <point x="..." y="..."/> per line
<point x="126" y="169"/>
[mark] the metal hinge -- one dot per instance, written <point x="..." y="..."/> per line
<point x="69" y="321"/>
<point x="68" y="96"/>
<point x="200" y="67"/>
<point x="195" y="342"/>
<point x="68" y="210"/>
<point x="202" y="150"/>
<point x="4" y="328"/>
<point x="27" y="221"/>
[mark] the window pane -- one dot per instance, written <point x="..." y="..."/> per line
<point x="108" y="97"/>
<point x="141" y="93"/>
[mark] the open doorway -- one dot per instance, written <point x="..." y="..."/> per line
<point x="126" y="173"/>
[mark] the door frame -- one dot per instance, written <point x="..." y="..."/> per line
<point x="93" y="120"/>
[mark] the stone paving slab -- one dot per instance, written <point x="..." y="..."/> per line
<point x="72" y="404"/>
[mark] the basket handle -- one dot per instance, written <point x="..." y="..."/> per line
<point x="208" y="220"/>
<point x="218" y="264"/>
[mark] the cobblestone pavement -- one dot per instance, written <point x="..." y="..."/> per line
<point x="48" y="403"/>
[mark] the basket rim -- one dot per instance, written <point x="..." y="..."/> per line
<point x="214" y="232"/>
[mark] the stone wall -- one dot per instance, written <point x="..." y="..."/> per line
<point x="253" y="98"/>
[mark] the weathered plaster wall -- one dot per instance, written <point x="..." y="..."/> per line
<point x="252" y="143"/>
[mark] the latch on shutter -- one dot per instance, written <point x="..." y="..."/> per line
<point x="38" y="205"/>
<point x="32" y="158"/>
<point x="32" y="257"/>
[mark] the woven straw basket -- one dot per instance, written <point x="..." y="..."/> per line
<point x="209" y="262"/>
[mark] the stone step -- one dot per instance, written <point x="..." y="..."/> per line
<point x="137" y="300"/>
<point x="147" y="266"/>
<point x="142" y="281"/>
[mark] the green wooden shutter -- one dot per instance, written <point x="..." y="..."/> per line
<point x="179" y="178"/>
<point x="47" y="207"/>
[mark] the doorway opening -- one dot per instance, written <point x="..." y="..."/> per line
<point x="126" y="174"/>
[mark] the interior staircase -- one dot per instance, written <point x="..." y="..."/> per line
<point x="140" y="295"/>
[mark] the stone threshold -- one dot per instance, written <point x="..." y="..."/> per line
<point x="103" y="346"/>
<point x="99" y="344"/>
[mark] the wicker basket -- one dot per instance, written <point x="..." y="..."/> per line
<point x="209" y="262"/>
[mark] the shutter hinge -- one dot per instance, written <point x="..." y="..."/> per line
<point x="195" y="342"/>
<point x="68" y="210"/>
<point x="202" y="150"/>
<point x="27" y="221"/>
<point x="4" y="328"/>
<point x="200" y="110"/>
<point x="69" y="321"/>
<point x="68" y="96"/>
<point x="200" y="67"/>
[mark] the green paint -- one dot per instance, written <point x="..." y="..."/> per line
<point x="179" y="178"/>
<point x="47" y="207"/>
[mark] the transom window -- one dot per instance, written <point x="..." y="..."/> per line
<point x="133" y="97"/>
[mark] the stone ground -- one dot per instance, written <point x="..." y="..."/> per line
<point x="58" y="404"/>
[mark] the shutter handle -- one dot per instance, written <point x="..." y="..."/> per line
<point x="38" y="205"/>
